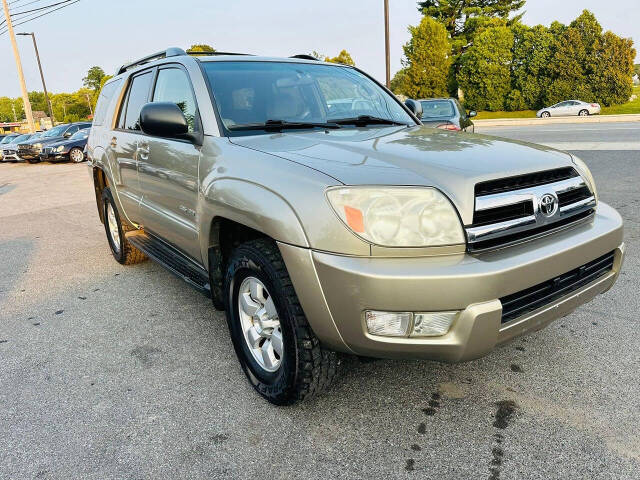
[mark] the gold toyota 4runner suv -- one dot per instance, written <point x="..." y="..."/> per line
<point x="313" y="207"/>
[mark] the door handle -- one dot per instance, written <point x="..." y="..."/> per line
<point x="142" y="151"/>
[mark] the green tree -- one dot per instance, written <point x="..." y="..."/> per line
<point x="201" y="47"/>
<point x="460" y="16"/>
<point x="485" y="75"/>
<point x="427" y="61"/>
<point x="343" y="57"/>
<point x="611" y="80"/>
<point x="38" y="102"/>
<point x="532" y="51"/>
<point x="93" y="78"/>
<point x="6" y="110"/>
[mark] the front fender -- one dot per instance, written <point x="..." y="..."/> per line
<point x="251" y="205"/>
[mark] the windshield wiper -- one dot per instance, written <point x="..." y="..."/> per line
<point x="364" y="120"/>
<point x="279" y="125"/>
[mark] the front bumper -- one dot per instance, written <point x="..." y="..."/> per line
<point x="54" y="156"/>
<point x="336" y="290"/>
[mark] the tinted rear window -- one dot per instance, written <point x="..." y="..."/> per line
<point x="437" y="109"/>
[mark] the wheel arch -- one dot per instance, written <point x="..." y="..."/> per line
<point x="235" y="211"/>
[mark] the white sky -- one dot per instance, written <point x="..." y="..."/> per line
<point x="111" y="32"/>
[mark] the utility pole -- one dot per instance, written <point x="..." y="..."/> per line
<point x="16" y="53"/>
<point x="15" y="116"/>
<point x="89" y="103"/>
<point x="386" y="42"/>
<point x="44" y="85"/>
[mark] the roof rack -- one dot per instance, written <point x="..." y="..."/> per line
<point x="196" y="53"/>
<point x="169" y="52"/>
<point x="305" y="56"/>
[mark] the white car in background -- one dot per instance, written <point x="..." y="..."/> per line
<point x="569" y="108"/>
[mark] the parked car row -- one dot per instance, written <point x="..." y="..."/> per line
<point x="61" y="143"/>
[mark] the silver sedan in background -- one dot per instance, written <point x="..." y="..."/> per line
<point x="568" y="108"/>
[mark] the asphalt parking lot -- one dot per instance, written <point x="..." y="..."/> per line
<point x="109" y="371"/>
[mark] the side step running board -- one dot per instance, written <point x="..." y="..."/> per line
<point x="172" y="259"/>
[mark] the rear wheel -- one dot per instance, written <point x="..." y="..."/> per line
<point x="545" y="114"/>
<point x="122" y="250"/>
<point x="76" y="155"/>
<point x="277" y="349"/>
<point x="584" y="113"/>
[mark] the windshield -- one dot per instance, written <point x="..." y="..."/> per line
<point x="20" y="138"/>
<point x="253" y="93"/>
<point x="55" y="131"/>
<point x="7" y="139"/>
<point x="80" y="134"/>
<point x="437" y="109"/>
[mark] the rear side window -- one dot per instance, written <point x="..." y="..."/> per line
<point x="104" y="100"/>
<point x="173" y="86"/>
<point x="137" y="98"/>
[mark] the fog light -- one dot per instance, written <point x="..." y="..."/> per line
<point x="432" y="324"/>
<point x="388" y="324"/>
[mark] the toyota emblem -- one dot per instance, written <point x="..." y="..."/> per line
<point x="548" y="205"/>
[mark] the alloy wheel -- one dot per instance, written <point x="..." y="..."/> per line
<point x="114" y="232"/>
<point x="76" y="155"/>
<point x="260" y="324"/>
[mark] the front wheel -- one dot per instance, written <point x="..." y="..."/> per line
<point x="33" y="160"/>
<point x="545" y="114"/>
<point x="276" y="347"/>
<point x="76" y="155"/>
<point x="584" y="113"/>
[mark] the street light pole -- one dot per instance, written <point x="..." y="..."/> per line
<point x="386" y="42"/>
<point x="16" y="54"/>
<point x="44" y="85"/>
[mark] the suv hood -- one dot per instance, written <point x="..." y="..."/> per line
<point x="451" y="162"/>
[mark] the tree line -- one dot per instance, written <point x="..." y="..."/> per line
<point x="480" y="51"/>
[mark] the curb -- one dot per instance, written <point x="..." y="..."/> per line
<point x="506" y="122"/>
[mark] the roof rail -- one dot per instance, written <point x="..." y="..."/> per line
<point x="196" y="53"/>
<point x="305" y="56"/>
<point x="169" y="52"/>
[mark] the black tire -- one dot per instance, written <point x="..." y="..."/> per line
<point x="584" y="113"/>
<point x="306" y="367"/>
<point x="545" y="114"/>
<point x="124" y="253"/>
<point x="33" y="160"/>
<point x="71" y="154"/>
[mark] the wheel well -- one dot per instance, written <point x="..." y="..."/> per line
<point x="99" y="183"/>
<point x="224" y="236"/>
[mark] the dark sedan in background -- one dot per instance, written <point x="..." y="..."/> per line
<point x="69" y="149"/>
<point x="30" y="150"/>
<point x="446" y="113"/>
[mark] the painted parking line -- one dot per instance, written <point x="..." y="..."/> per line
<point x="593" y="145"/>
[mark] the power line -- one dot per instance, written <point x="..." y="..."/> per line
<point x="25" y="4"/>
<point x="39" y="8"/>
<point x="41" y="15"/>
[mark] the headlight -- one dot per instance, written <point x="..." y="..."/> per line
<point x="584" y="171"/>
<point x="398" y="216"/>
<point x="60" y="148"/>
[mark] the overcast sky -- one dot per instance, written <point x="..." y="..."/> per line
<point x="110" y="32"/>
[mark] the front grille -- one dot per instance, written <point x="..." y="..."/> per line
<point x="524" y="181"/>
<point x="502" y="214"/>
<point x="525" y="301"/>
<point x="504" y="217"/>
<point x="573" y="196"/>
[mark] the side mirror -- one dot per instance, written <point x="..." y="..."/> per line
<point x="163" y="119"/>
<point x="415" y="107"/>
<point x="472" y="113"/>
<point x="67" y="134"/>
